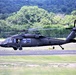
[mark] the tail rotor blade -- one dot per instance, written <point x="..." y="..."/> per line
<point x="74" y="23"/>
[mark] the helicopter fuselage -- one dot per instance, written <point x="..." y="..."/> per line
<point x="31" y="42"/>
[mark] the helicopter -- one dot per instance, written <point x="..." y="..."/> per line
<point x="19" y="41"/>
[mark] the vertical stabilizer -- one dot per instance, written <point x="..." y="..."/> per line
<point x="72" y="35"/>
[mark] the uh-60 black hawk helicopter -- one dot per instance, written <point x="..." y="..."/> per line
<point x="31" y="40"/>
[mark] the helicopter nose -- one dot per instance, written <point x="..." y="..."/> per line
<point x="0" y="43"/>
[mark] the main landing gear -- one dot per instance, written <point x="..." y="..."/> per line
<point x="15" y="48"/>
<point x="59" y="46"/>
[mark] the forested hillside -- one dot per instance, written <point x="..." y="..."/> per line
<point x="37" y="14"/>
<point x="56" y="6"/>
<point x="33" y="17"/>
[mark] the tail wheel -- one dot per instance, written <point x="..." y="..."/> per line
<point x="15" y="48"/>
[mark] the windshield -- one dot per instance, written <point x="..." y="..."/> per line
<point x="8" y="40"/>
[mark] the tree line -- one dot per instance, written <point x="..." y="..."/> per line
<point x="56" y="6"/>
<point x="32" y="18"/>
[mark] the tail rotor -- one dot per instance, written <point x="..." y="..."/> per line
<point x="72" y="35"/>
<point x="74" y="25"/>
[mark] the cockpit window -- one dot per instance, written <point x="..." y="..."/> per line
<point x="8" y="40"/>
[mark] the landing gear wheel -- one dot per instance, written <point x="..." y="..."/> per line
<point x="62" y="48"/>
<point x="14" y="48"/>
<point x="53" y="47"/>
<point x="20" y="48"/>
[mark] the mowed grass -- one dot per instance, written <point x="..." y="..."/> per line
<point x="37" y="71"/>
<point x="37" y="65"/>
<point x="39" y="58"/>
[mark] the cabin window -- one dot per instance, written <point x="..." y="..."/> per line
<point x="26" y="40"/>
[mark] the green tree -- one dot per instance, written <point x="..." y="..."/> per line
<point x="28" y="15"/>
<point x="73" y="12"/>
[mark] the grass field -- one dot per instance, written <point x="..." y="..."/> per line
<point x="38" y="65"/>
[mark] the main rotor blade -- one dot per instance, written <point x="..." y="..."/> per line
<point x="34" y="29"/>
<point x="69" y="28"/>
